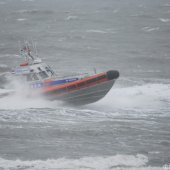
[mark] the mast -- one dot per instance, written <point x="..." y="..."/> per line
<point x="30" y="58"/>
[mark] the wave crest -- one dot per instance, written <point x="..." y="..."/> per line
<point x="95" y="163"/>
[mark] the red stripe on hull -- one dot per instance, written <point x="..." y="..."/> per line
<point x="77" y="85"/>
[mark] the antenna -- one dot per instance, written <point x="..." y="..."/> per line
<point x="32" y="42"/>
<point x="34" y="45"/>
<point x="36" y="52"/>
<point x="94" y="69"/>
<point x="19" y="46"/>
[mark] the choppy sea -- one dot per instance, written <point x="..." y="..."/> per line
<point x="129" y="129"/>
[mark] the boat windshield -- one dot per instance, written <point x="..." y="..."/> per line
<point x="49" y="70"/>
<point x="43" y="74"/>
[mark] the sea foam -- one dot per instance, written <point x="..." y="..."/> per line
<point x="117" y="162"/>
<point x="146" y="96"/>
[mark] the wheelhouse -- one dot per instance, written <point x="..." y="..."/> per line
<point x="34" y="72"/>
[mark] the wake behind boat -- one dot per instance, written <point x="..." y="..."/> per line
<point x="76" y="90"/>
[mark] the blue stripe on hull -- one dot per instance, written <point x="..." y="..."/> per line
<point x="53" y="83"/>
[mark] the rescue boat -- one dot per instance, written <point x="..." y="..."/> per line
<point x="75" y="90"/>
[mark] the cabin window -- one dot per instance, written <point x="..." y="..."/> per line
<point x="49" y="70"/>
<point x="43" y="74"/>
<point x="39" y="69"/>
<point x="32" y="77"/>
<point x="35" y="77"/>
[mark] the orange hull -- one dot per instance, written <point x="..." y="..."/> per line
<point x="82" y="87"/>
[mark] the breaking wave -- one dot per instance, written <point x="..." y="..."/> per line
<point x="96" y="31"/>
<point x="105" y="31"/>
<point x="16" y="95"/>
<point x="117" y="162"/>
<point x="164" y="19"/>
<point x="72" y="17"/>
<point x="21" y="19"/>
<point x="145" y="97"/>
<point x="3" y="68"/>
<point x="19" y="101"/>
<point x="150" y="29"/>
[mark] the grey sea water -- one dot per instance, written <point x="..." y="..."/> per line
<point x="127" y="130"/>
